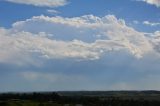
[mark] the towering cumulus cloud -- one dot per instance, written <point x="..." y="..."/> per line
<point x="41" y="3"/>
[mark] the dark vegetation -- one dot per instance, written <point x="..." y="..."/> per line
<point x="82" y="98"/>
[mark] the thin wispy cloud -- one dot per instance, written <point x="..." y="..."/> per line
<point x="151" y="23"/>
<point x="53" y="12"/>
<point x="41" y="3"/>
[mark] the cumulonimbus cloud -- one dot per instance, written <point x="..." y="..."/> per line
<point x="46" y="36"/>
<point x="89" y="28"/>
<point x="41" y="3"/>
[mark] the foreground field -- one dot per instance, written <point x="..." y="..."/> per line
<point x="28" y="103"/>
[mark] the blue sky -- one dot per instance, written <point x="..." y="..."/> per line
<point x="79" y="45"/>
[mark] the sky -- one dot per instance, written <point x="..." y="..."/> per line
<point x="65" y="45"/>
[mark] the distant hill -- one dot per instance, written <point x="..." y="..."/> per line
<point x="109" y="93"/>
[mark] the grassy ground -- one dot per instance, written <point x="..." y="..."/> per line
<point x="28" y="103"/>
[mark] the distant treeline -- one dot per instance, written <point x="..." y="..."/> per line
<point x="121" y="98"/>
